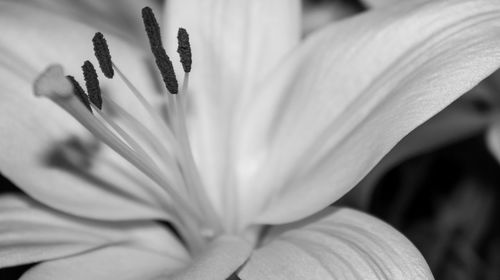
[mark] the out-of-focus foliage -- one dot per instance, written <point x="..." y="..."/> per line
<point x="446" y="202"/>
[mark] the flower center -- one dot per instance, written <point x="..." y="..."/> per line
<point x="161" y="151"/>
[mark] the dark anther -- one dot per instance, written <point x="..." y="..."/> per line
<point x="184" y="49"/>
<point x="79" y="92"/>
<point x="92" y="84"/>
<point x="166" y="69"/>
<point x="152" y="27"/>
<point x="102" y="54"/>
<point x="161" y="58"/>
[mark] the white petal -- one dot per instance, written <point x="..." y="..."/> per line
<point x="115" y="262"/>
<point x="220" y="260"/>
<point x="235" y="45"/>
<point x="33" y="127"/>
<point x="353" y="91"/>
<point x="223" y="257"/>
<point x="120" y="17"/>
<point x="380" y="3"/>
<point x="493" y="139"/>
<point x="31" y="232"/>
<point x="456" y="122"/>
<point x="337" y="244"/>
<point x="471" y="114"/>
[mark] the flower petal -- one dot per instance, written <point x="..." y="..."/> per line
<point x="223" y="257"/>
<point x="31" y="39"/>
<point x="119" y="17"/>
<point x="380" y="3"/>
<point x="337" y="244"/>
<point x="456" y="122"/>
<point x="220" y="260"/>
<point x="352" y="91"/>
<point x="235" y="45"/>
<point x="114" y="262"/>
<point x="31" y="232"/>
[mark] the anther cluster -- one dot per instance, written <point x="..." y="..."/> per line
<point x="163" y="62"/>
<point x="174" y="172"/>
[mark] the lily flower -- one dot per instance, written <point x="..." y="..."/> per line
<point x="242" y="156"/>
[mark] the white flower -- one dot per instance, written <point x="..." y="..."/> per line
<point x="279" y="127"/>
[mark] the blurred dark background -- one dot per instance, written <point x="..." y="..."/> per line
<point x="446" y="203"/>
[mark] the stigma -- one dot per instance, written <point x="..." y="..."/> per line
<point x="51" y="83"/>
<point x="161" y="152"/>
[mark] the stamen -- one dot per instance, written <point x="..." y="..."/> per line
<point x="103" y="55"/>
<point x="129" y="140"/>
<point x="162" y="60"/>
<point x="164" y="154"/>
<point x="175" y="107"/>
<point x="147" y="135"/>
<point x="92" y="84"/>
<point x="47" y="83"/>
<point x="152" y="27"/>
<point x="79" y="92"/>
<point x="147" y="107"/>
<point x="100" y="130"/>
<point x="190" y="172"/>
<point x="184" y="49"/>
<point x="166" y="69"/>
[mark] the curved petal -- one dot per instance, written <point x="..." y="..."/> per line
<point x="235" y="44"/>
<point x="337" y="244"/>
<point x="31" y="232"/>
<point x="114" y="262"/>
<point x="32" y="39"/>
<point x="456" y="122"/>
<point x="119" y="17"/>
<point x="223" y="257"/>
<point x="471" y="114"/>
<point x="351" y="92"/>
<point x="380" y="3"/>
